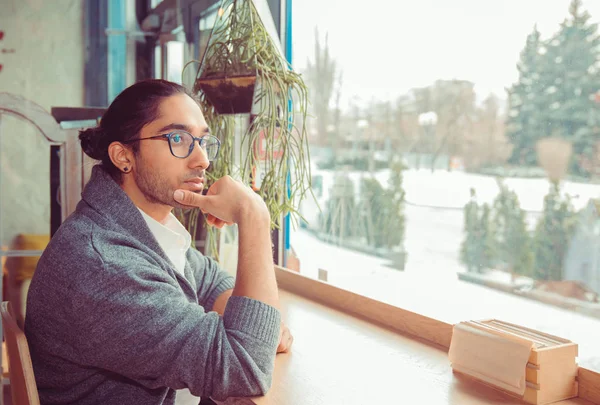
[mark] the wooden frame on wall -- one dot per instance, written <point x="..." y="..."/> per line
<point x="38" y="117"/>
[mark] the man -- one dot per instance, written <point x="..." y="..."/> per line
<point x="121" y="310"/>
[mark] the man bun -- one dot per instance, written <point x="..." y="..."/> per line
<point x="93" y="143"/>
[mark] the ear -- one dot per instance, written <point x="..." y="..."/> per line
<point x="120" y="155"/>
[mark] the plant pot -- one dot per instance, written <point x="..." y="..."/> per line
<point x="229" y="95"/>
<point x="398" y="259"/>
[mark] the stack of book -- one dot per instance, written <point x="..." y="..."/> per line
<point x="535" y="366"/>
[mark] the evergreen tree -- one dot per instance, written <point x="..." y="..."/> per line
<point x="528" y="104"/>
<point x="487" y="239"/>
<point x="468" y="248"/>
<point x="552" y="235"/>
<point x="382" y="219"/>
<point x="574" y="55"/>
<point x="513" y="243"/>
<point x="397" y="194"/>
<point x="556" y="91"/>
<point x="338" y="218"/>
<point x="477" y="250"/>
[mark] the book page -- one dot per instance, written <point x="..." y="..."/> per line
<point x="490" y="355"/>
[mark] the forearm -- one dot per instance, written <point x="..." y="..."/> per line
<point x="255" y="271"/>
<point x="221" y="302"/>
<point x="227" y="202"/>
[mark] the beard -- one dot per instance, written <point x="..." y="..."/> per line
<point x="156" y="187"/>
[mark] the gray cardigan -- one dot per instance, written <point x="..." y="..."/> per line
<point x="110" y="321"/>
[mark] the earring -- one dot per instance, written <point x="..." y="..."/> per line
<point x="125" y="169"/>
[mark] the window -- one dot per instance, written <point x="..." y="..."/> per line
<point x="205" y="25"/>
<point x="117" y="48"/>
<point x="174" y="61"/>
<point x="157" y="61"/>
<point x="437" y="135"/>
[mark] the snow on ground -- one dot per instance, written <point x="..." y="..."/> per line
<point x="429" y="284"/>
<point x="451" y="189"/>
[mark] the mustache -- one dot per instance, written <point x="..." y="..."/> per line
<point x="195" y="175"/>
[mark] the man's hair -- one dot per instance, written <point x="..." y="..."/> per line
<point x="124" y="119"/>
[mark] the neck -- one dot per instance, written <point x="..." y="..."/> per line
<point x="157" y="211"/>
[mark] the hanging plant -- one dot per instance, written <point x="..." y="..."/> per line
<point x="246" y="86"/>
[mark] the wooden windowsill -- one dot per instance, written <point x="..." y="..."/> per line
<point x="351" y="349"/>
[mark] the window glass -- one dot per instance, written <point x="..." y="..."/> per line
<point x="456" y="158"/>
<point x="157" y="62"/>
<point x="117" y="48"/>
<point x="175" y="61"/>
<point x="205" y="25"/>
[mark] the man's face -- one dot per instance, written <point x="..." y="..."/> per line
<point x="158" y="173"/>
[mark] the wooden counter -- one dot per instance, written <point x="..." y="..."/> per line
<point x="339" y="359"/>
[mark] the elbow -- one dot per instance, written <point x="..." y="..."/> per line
<point x="262" y="386"/>
<point x="244" y="364"/>
<point x="244" y="374"/>
<point x="257" y="381"/>
<point x="250" y="385"/>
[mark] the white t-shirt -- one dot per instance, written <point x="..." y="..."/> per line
<point x="172" y="237"/>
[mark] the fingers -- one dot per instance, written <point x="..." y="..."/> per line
<point x="192" y="199"/>
<point x="187" y="197"/>
<point x="285" y="340"/>
<point x="216" y="222"/>
<point x="286" y="344"/>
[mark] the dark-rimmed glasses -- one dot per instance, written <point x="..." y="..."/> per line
<point x="182" y="143"/>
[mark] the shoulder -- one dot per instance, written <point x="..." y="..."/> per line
<point x="84" y="248"/>
<point x="193" y="255"/>
<point x="69" y="245"/>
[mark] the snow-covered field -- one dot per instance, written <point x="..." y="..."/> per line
<point x="429" y="284"/>
<point x="452" y="189"/>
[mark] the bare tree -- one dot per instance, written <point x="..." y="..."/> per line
<point x="453" y="101"/>
<point x="487" y="144"/>
<point x="321" y="74"/>
<point x="406" y="124"/>
<point x="337" y="112"/>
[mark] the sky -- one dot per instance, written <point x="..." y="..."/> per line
<point x="386" y="47"/>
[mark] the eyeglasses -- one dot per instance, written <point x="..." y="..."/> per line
<point x="182" y="144"/>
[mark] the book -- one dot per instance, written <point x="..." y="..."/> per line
<point x="538" y="367"/>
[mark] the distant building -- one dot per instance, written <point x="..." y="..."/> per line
<point x="582" y="261"/>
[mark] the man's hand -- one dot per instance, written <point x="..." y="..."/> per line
<point x="231" y="202"/>
<point x="227" y="202"/>
<point x="285" y="339"/>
